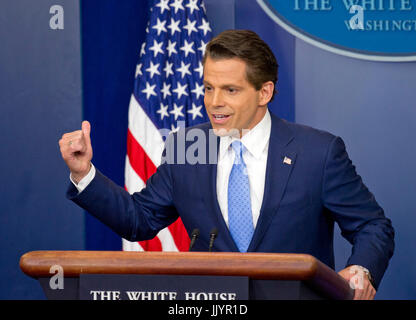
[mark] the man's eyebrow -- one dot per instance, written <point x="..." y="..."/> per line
<point x="226" y="85"/>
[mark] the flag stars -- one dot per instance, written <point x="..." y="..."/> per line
<point x="169" y="73"/>
<point x="203" y="7"/>
<point x="153" y="69"/>
<point x="174" y="129"/>
<point x="143" y="49"/>
<point x="202" y="47"/>
<point x="174" y="26"/>
<point x="150" y="90"/>
<point x="205" y="26"/>
<point x="177" y="5"/>
<point x="181" y="90"/>
<point x="184" y="69"/>
<point x="139" y="70"/>
<point x="200" y="69"/>
<point x="163" y="111"/>
<point x="163" y="5"/>
<point x="156" y="48"/>
<point x="171" y="47"/>
<point x="177" y="111"/>
<point x="187" y="48"/>
<point x="195" y="111"/>
<point x="192" y="5"/>
<point x="198" y="91"/>
<point x="160" y="26"/>
<point x="190" y="26"/>
<point x="168" y="68"/>
<point x="165" y="90"/>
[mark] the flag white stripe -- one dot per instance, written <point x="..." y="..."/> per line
<point x="131" y="246"/>
<point x="145" y="132"/>
<point x="133" y="182"/>
<point x="166" y="239"/>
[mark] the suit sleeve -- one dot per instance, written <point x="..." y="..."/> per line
<point x="354" y="208"/>
<point x="135" y="217"/>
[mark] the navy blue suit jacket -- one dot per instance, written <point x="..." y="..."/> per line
<point x="302" y="200"/>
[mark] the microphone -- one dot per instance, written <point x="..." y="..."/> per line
<point x="212" y="235"/>
<point x="194" y="236"/>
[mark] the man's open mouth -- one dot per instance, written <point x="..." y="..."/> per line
<point x="220" y="116"/>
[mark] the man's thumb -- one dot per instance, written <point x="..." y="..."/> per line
<point x="86" y="129"/>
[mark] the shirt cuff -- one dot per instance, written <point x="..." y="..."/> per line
<point x="84" y="181"/>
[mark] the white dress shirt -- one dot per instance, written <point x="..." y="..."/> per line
<point x="256" y="142"/>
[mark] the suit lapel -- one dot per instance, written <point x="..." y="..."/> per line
<point x="280" y="162"/>
<point x="277" y="175"/>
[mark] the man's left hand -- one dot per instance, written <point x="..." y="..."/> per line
<point x="359" y="281"/>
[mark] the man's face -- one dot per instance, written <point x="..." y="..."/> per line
<point x="230" y="100"/>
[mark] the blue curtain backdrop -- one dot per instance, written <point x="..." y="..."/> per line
<point x="112" y="32"/>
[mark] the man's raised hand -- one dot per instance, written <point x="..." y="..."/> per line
<point x="76" y="151"/>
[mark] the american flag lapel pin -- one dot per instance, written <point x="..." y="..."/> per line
<point x="287" y="160"/>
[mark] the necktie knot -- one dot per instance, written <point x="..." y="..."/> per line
<point x="238" y="148"/>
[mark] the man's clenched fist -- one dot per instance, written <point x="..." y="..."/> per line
<point x="76" y="151"/>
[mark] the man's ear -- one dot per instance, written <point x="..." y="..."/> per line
<point x="266" y="93"/>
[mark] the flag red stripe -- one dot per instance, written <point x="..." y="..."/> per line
<point x="151" y="245"/>
<point x="179" y="235"/>
<point x="138" y="158"/>
<point x="144" y="168"/>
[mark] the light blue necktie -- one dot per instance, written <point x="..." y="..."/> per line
<point x="240" y="219"/>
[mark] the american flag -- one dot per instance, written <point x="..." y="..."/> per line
<point x="168" y="94"/>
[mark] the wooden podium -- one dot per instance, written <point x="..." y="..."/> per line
<point x="270" y="275"/>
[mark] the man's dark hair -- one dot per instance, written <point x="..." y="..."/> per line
<point x="247" y="46"/>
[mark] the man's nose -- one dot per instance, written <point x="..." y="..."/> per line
<point x="217" y="99"/>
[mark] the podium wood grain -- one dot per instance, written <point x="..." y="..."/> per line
<point x="277" y="266"/>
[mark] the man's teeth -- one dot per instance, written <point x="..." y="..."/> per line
<point x="220" y="116"/>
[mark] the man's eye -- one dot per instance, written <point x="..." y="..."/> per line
<point x="207" y="88"/>
<point x="232" y="90"/>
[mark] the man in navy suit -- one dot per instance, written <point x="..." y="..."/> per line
<point x="274" y="186"/>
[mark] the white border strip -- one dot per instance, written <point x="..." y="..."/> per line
<point x="326" y="47"/>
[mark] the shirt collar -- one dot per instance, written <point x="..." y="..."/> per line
<point x="254" y="141"/>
